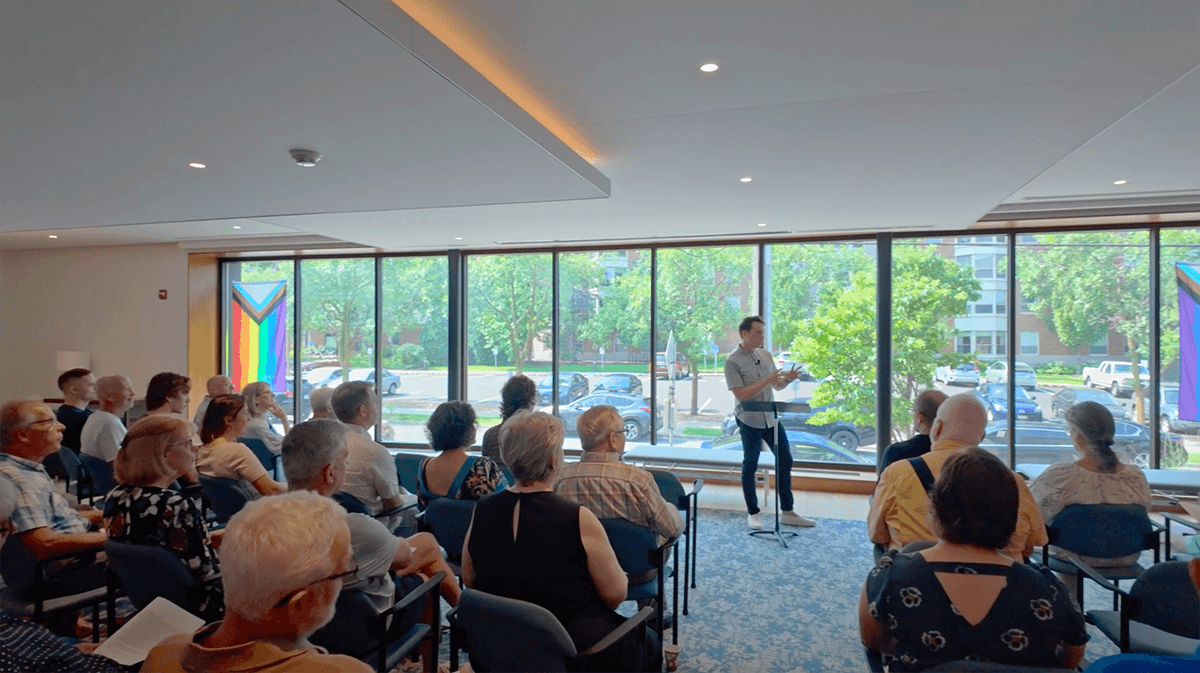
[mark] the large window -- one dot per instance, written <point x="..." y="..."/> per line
<point x="1179" y="398"/>
<point x="415" y="337"/>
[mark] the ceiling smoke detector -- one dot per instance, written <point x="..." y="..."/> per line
<point x="306" y="158"/>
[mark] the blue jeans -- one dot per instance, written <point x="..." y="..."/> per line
<point x="752" y="440"/>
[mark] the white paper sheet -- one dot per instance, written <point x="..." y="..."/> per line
<point x="157" y="621"/>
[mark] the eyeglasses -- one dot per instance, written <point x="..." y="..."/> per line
<point x="283" y="601"/>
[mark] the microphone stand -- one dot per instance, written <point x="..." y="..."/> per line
<point x="775" y="408"/>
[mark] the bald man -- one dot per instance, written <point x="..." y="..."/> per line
<point x="214" y="386"/>
<point x="924" y="411"/>
<point x="898" y="513"/>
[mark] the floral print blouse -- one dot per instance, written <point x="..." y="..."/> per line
<point x="174" y="520"/>
<point x="1031" y="615"/>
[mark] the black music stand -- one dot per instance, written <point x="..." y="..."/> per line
<point x="774" y="408"/>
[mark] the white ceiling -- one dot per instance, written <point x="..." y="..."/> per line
<point x="851" y="115"/>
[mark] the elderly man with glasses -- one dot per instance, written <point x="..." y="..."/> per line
<point x="43" y="519"/>
<point x="283" y="561"/>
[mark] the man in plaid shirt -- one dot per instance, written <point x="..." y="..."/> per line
<point x="610" y="488"/>
<point x="42" y="518"/>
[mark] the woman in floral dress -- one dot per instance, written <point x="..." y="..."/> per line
<point x="146" y="508"/>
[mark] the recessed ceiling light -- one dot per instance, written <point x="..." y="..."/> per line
<point x="1119" y="182"/>
<point x="237" y="226"/>
<point x="458" y="238"/>
<point x="762" y="224"/>
<point x="53" y="236"/>
<point x="709" y="67"/>
<point x="197" y="164"/>
<point x="747" y="179"/>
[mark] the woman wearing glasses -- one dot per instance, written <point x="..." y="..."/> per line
<point x="145" y="508"/>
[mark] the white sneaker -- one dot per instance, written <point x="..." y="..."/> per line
<point x="790" y="518"/>
<point x="754" y="521"/>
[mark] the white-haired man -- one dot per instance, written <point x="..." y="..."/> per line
<point x="282" y="562"/>
<point x="321" y="400"/>
<point x="214" y="386"/>
<point x="898" y="514"/>
<point x="610" y="488"/>
<point x="104" y="430"/>
<point x="43" y="519"/>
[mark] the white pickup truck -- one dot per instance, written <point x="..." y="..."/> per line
<point x="1116" y="376"/>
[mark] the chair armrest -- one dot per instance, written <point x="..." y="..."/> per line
<point x="1098" y="578"/>
<point x="620" y="632"/>
<point x="393" y="511"/>
<point x="416" y="594"/>
<point x="697" y="486"/>
<point x="658" y="555"/>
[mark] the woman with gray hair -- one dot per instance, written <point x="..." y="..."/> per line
<point x="1097" y="478"/>
<point x="529" y="544"/>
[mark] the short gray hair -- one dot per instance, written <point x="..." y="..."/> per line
<point x="278" y="545"/>
<point x="596" y="424"/>
<point x="349" y="396"/>
<point x="108" y="385"/>
<point x="251" y="393"/>
<point x="530" y="444"/>
<point x="321" y="400"/>
<point x="12" y="417"/>
<point x="309" y="447"/>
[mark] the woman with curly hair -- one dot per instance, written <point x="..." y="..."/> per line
<point x="519" y="393"/>
<point x="144" y="508"/>
<point x="963" y="598"/>
<point x="452" y="473"/>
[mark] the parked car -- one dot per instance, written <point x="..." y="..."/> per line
<point x="391" y="380"/>
<point x="965" y="374"/>
<point x="286" y="398"/>
<point x="1047" y="443"/>
<point x="571" y="386"/>
<point x="806" y="446"/>
<point x="1116" y="376"/>
<point x="1070" y="396"/>
<point x="635" y="413"/>
<point x="998" y="373"/>
<point x="682" y="369"/>
<point x="841" y="433"/>
<point x="324" y="377"/>
<point x="995" y="399"/>
<point x="625" y="384"/>
<point x="1168" y="412"/>
<point x="785" y="362"/>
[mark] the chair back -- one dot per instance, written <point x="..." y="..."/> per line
<point x="505" y="634"/>
<point x="149" y="571"/>
<point x="1101" y="531"/>
<point x="448" y="519"/>
<point x="17" y="565"/>
<point x="65" y="464"/>
<point x="350" y="632"/>
<point x="1164" y="597"/>
<point x="407" y="467"/>
<point x="99" y="473"/>
<point x="670" y="488"/>
<point x="259" y="448"/>
<point x="226" y="497"/>
<point x="633" y="545"/>
<point x="350" y="503"/>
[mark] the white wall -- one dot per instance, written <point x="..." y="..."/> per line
<point x="103" y="301"/>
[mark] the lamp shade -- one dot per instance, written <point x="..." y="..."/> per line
<point x="65" y="360"/>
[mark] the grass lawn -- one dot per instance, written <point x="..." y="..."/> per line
<point x="709" y="432"/>
<point x="1061" y="379"/>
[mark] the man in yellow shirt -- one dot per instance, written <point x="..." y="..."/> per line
<point x="898" y="510"/>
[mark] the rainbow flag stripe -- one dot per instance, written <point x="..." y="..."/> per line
<point x="258" y="334"/>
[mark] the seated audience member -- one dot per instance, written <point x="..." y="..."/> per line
<point x="321" y="400"/>
<point x="42" y="519"/>
<point x="519" y="392"/>
<point x="260" y="401"/>
<point x="898" y="514"/>
<point x="924" y="411"/>
<point x="452" y="473"/>
<point x="144" y="509"/>
<point x="963" y="597"/>
<point x="283" y="560"/>
<point x="1148" y="663"/>
<point x="214" y="386"/>
<point x="1097" y="478"/>
<point x="167" y="394"/>
<point x="370" y="471"/>
<point x="222" y="456"/>
<point x="104" y="430"/>
<point x="609" y="488"/>
<point x="314" y="459"/>
<point x="78" y="387"/>
<point x="532" y="545"/>
<point x="28" y="646"/>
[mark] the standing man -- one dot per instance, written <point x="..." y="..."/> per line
<point x="78" y="387"/>
<point x="751" y="376"/>
<point x="216" y="385"/>
<point x="924" y="411"/>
